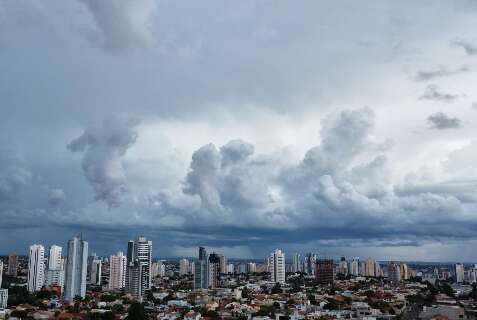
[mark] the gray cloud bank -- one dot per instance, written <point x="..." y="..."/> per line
<point x="339" y="190"/>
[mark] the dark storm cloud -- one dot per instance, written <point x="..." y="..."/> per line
<point x="432" y="93"/>
<point x="427" y="75"/>
<point x="469" y="47"/>
<point x="102" y="148"/>
<point x="441" y="121"/>
<point x="337" y="191"/>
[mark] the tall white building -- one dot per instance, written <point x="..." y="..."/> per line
<point x="36" y="269"/>
<point x="139" y="262"/>
<point x="223" y="264"/>
<point x="251" y="267"/>
<point x="76" y="269"/>
<point x="230" y="268"/>
<point x="276" y="264"/>
<point x="296" y="266"/>
<point x="117" y="271"/>
<point x="184" y="266"/>
<point x="158" y="269"/>
<point x="54" y="258"/>
<point x="55" y="278"/>
<point x="370" y="268"/>
<point x="1" y="272"/>
<point x="3" y="298"/>
<point x="354" y="267"/>
<point x="459" y="272"/>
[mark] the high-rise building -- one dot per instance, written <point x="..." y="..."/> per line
<point x="140" y="251"/>
<point x="94" y="270"/>
<point x="394" y="273"/>
<point x="343" y="266"/>
<point x="1" y="272"/>
<point x="55" y="278"/>
<point x="13" y="265"/>
<point x="230" y="268"/>
<point x="158" y="269"/>
<point x="378" y="272"/>
<point x="3" y="298"/>
<point x="296" y="265"/>
<point x="117" y="271"/>
<point x="251" y="267"/>
<point x="76" y="268"/>
<point x="324" y="273"/>
<point x="130" y="252"/>
<point x="370" y="268"/>
<point x="309" y="263"/>
<point x="213" y="269"/>
<point x="201" y="273"/>
<point x="354" y="267"/>
<point x="184" y="266"/>
<point x="202" y="253"/>
<point x="223" y="263"/>
<point x="55" y="275"/>
<point x="404" y="270"/>
<point x="362" y="268"/>
<point x="36" y="270"/>
<point x="191" y="267"/>
<point x="54" y="258"/>
<point x="459" y="272"/>
<point x="276" y="264"/>
<point x="134" y="278"/>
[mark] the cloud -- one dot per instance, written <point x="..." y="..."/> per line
<point x="469" y="47"/>
<point x="56" y="196"/>
<point x="14" y="177"/>
<point x="432" y="93"/>
<point x="123" y="25"/>
<point x="440" y="72"/>
<point x="441" y="121"/>
<point x="339" y="190"/>
<point x="224" y="179"/>
<point x="102" y="148"/>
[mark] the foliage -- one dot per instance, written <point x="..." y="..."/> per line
<point x="136" y="312"/>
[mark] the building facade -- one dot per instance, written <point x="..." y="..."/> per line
<point x="36" y="270"/>
<point x="139" y="257"/>
<point x="324" y="273"/>
<point x="201" y="273"/>
<point x="13" y="265"/>
<point x="3" y="298"/>
<point x="276" y="264"/>
<point x="54" y="258"/>
<point x="117" y="271"/>
<point x="76" y="269"/>
<point x="296" y="265"/>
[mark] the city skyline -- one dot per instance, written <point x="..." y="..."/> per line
<point x="339" y="128"/>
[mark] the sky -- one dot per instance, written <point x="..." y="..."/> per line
<point x="335" y="127"/>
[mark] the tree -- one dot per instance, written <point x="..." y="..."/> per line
<point x="277" y="288"/>
<point x="136" y="312"/>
